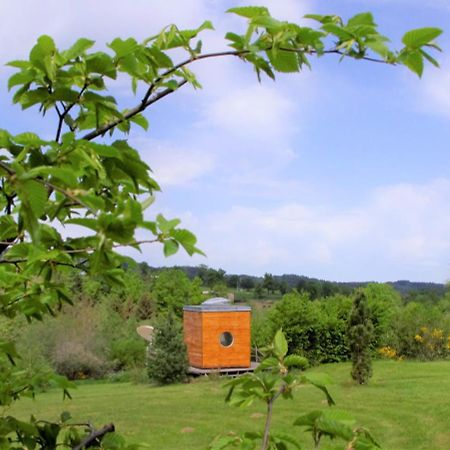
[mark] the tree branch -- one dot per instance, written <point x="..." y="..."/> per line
<point x="131" y="113"/>
<point x="91" y="440"/>
<point x="66" y="111"/>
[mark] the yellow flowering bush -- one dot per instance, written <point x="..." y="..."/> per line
<point x="388" y="352"/>
<point x="432" y="343"/>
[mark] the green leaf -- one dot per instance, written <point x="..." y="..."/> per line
<point x="35" y="195"/>
<point x="186" y="239"/>
<point x="283" y="61"/>
<point x="170" y="247"/>
<point x="324" y="19"/>
<point x="414" y="61"/>
<point x="161" y="58"/>
<point x="8" y="228"/>
<point x="123" y="47"/>
<point x="308" y="419"/>
<point x="140" y="120"/>
<point x="320" y="380"/>
<point x="420" y="36"/>
<point x="284" y="437"/>
<point x="166" y="225"/>
<point x="20" y="78"/>
<point x="45" y="47"/>
<point x="107" y="151"/>
<point x="77" y="49"/>
<point x="20" y="64"/>
<point x="429" y="58"/>
<point x="378" y="46"/>
<point x="338" y="31"/>
<point x="280" y="344"/>
<point x="29" y="139"/>
<point x="102" y="64"/>
<point x="92" y="224"/>
<point x="148" y="202"/>
<point x="113" y="441"/>
<point x="66" y="175"/>
<point x="249" y="11"/>
<point x="268" y="363"/>
<point x="362" y="19"/>
<point x="296" y="361"/>
<point x="9" y="349"/>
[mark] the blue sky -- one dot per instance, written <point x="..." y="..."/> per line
<point x="340" y="173"/>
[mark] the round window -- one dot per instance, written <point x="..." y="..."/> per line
<point x="226" y="339"/>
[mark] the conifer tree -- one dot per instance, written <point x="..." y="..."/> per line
<point x="167" y="355"/>
<point x="360" y="333"/>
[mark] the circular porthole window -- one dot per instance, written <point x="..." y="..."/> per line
<point x="226" y="339"/>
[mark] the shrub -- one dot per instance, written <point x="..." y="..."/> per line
<point x="167" y="354"/>
<point x="431" y="343"/>
<point x="314" y="329"/>
<point x="360" y="332"/>
<point x="75" y="361"/>
<point x="127" y="352"/>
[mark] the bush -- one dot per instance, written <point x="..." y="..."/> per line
<point x="314" y="329"/>
<point x="167" y="354"/>
<point x="360" y="333"/>
<point x="75" y="361"/>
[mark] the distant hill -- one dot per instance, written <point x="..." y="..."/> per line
<point x="404" y="287"/>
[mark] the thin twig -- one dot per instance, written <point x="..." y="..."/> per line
<point x="66" y="111"/>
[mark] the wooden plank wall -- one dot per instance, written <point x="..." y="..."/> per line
<point x="192" y="325"/>
<point x="216" y="355"/>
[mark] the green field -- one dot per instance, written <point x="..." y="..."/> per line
<point x="406" y="406"/>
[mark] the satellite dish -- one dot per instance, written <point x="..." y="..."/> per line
<point x="145" y="331"/>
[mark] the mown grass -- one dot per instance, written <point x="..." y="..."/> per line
<point x="406" y="406"/>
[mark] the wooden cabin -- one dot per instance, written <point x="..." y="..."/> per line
<point x="217" y="334"/>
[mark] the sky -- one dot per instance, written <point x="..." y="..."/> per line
<point x="340" y="173"/>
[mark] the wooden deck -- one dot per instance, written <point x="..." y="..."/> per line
<point x="231" y="371"/>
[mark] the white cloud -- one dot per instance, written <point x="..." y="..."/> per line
<point x="254" y="112"/>
<point x="435" y="90"/>
<point x="173" y="164"/>
<point x="402" y="231"/>
<point x="25" y="20"/>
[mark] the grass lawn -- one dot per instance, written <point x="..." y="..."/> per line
<point x="406" y="406"/>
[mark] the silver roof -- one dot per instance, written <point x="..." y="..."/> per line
<point x="217" y="304"/>
<point x="216" y="301"/>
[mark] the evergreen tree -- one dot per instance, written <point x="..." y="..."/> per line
<point x="360" y="333"/>
<point x="167" y="354"/>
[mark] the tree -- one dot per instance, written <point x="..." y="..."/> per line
<point x="172" y="289"/>
<point x="360" y="333"/>
<point x="384" y="303"/>
<point x="210" y="276"/>
<point x="259" y="293"/>
<point x="232" y="281"/>
<point x="269" y="283"/>
<point x="247" y="283"/>
<point x="167" y="355"/>
<point x="84" y="178"/>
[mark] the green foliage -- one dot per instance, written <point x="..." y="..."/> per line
<point x="274" y="379"/>
<point x="316" y="330"/>
<point x="360" y="333"/>
<point x="211" y="277"/>
<point x="384" y="303"/>
<point x="172" y="289"/>
<point x="167" y="355"/>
